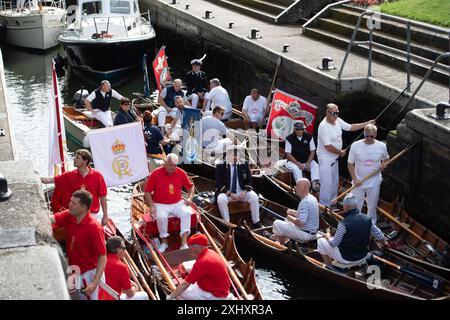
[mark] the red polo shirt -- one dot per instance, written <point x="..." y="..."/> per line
<point x="211" y="274"/>
<point x="85" y="241"/>
<point x="166" y="188"/>
<point x="71" y="181"/>
<point x="116" y="275"/>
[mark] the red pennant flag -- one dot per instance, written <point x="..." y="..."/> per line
<point x="286" y="110"/>
<point x="161" y="68"/>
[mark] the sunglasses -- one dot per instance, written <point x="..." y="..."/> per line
<point x="335" y="113"/>
<point x="299" y="129"/>
<point x="370" y="136"/>
<point x="126" y="104"/>
<point x="222" y="113"/>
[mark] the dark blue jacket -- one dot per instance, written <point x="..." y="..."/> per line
<point x="123" y="117"/>
<point x="355" y="243"/>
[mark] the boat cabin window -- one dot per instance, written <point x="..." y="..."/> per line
<point x="93" y="7"/>
<point x="120" y="6"/>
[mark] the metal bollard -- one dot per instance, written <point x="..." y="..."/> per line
<point x="254" y="34"/>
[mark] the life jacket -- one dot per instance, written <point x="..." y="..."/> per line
<point x="300" y="148"/>
<point x="100" y="102"/>
<point x="355" y="243"/>
<point x="170" y="96"/>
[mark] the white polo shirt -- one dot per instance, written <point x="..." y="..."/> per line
<point x="330" y="134"/>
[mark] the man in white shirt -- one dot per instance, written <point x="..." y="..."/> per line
<point x="99" y="102"/>
<point x="329" y="149"/>
<point x="366" y="156"/>
<point x="218" y="96"/>
<point x="213" y="130"/>
<point x="254" y="109"/>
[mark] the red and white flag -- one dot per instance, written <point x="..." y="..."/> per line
<point x="286" y="110"/>
<point x="161" y="68"/>
<point x="57" y="134"/>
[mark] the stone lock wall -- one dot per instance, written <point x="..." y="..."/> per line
<point x="422" y="175"/>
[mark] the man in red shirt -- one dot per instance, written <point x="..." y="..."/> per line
<point x="84" y="177"/>
<point x="85" y="242"/>
<point x="117" y="274"/>
<point x="163" y="197"/>
<point x="208" y="279"/>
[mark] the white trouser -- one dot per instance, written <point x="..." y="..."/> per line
<point x="139" y="295"/>
<point x="371" y="193"/>
<point x="288" y="229"/>
<point x="258" y="118"/>
<point x="220" y="147"/>
<point x="194" y="100"/>
<point x="329" y="180"/>
<point x="162" y="114"/>
<point x="194" y="292"/>
<point x="103" y="116"/>
<point x="179" y="210"/>
<point x="87" y="278"/>
<point x="313" y="168"/>
<point x="325" y="249"/>
<point x="251" y="197"/>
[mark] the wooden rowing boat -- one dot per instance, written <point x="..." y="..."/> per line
<point x="393" y="284"/>
<point x="169" y="263"/>
<point x="132" y="258"/>
<point x="78" y="122"/>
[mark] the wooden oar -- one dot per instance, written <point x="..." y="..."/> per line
<point x="162" y="269"/>
<point x="269" y="96"/>
<point x="426" y="278"/>
<point x="411" y="232"/>
<point x="383" y="111"/>
<point x="233" y="275"/>
<point x="370" y="175"/>
<point x="111" y="230"/>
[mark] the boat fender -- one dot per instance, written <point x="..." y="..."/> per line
<point x="95" y="36"/>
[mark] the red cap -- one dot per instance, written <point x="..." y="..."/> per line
<point x="198" y="239"/>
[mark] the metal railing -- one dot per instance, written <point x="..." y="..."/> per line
<point x="321" y="12"/>
<point x="8" y="5"/>
<point x="425" y="78"/>
<point x="370" y="14"/>
<point x="139" y="20"/>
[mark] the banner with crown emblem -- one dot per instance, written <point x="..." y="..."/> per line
<point x="286" y="110"/>
<point x="119" y="153"/>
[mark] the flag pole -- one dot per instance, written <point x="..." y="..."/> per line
<point x="58" y="119"/>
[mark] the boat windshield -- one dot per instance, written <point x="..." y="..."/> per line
<point x="92" y="7"/>
<point x="120" y="6"/>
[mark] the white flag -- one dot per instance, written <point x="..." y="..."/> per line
<point x="57" y="133"/>
<point x="119" y="153"/>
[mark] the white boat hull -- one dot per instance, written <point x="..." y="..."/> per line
<point x="34" y="31"/>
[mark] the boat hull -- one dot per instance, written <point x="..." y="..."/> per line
<point x="36" y="31"/>
<point x="113" y="61"/>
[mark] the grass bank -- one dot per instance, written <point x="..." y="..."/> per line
<point x="431" y="11"/>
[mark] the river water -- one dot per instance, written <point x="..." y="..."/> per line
<point x="28" y="89"/>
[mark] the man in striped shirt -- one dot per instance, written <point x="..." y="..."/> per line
<point x="350" y="243"/>
<point x="301" y="224"/>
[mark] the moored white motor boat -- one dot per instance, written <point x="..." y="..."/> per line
<point x="35" y="25"/>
